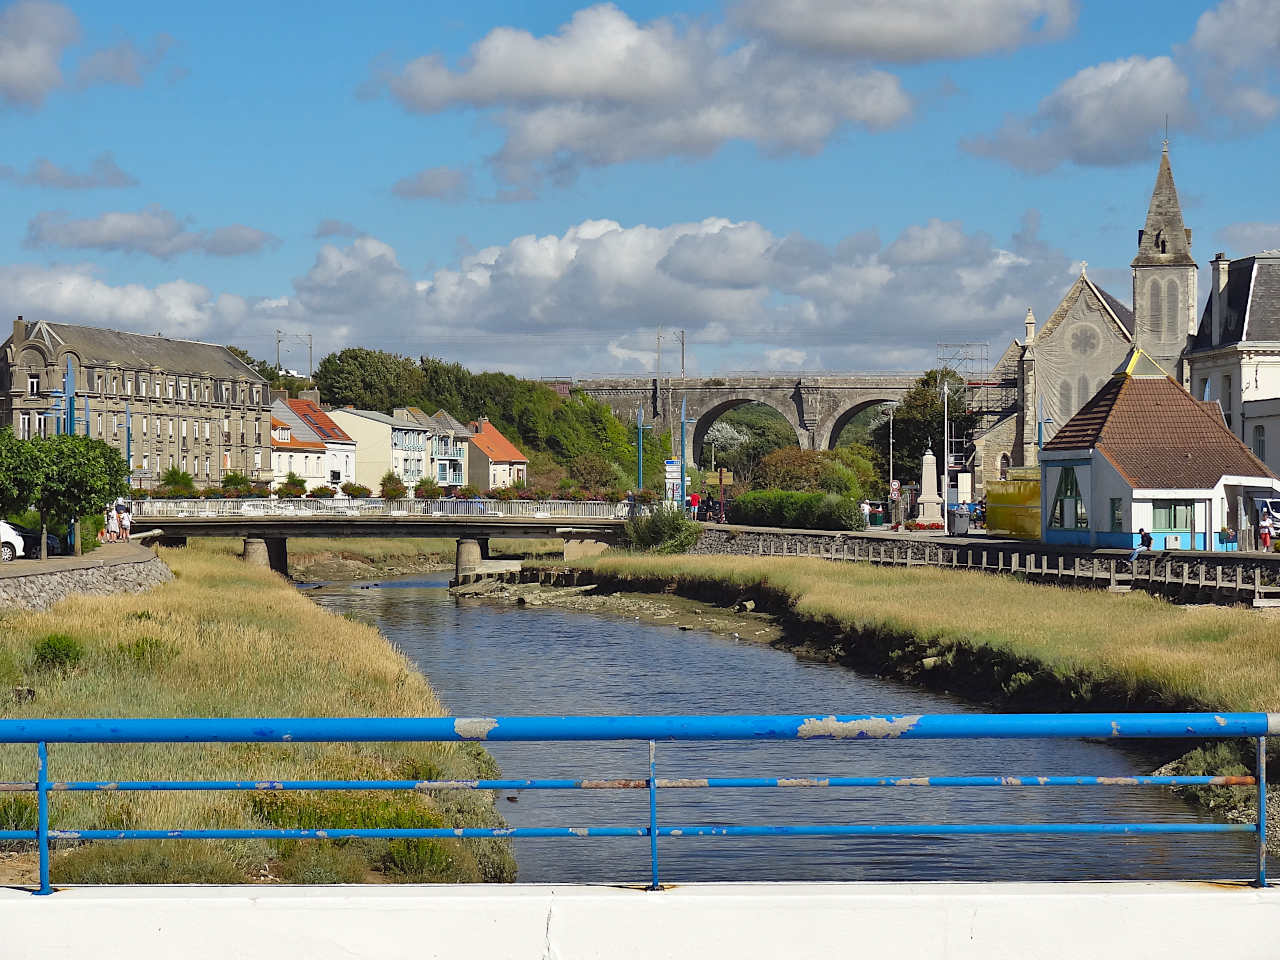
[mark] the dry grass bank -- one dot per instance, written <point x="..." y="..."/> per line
<point x="226" y="639"/>
<point x="1214" y="657"/>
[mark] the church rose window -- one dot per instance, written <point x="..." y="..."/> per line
<point x="1084" y="340"/>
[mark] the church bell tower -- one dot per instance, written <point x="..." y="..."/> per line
<point x="1165" y="278"/>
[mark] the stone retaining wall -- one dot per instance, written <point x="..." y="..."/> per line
<point x="40" y="591"/>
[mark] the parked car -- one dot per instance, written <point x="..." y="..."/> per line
<point x="11" y="545"/>
<point x="31" y="542"/>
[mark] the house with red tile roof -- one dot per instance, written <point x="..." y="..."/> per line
<point x="493" y="459"/>
<point x="339" y="447"/>
<point x="296" y="451"/>
<point x="1144" y="454"/>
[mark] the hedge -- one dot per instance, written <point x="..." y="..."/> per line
<point x="788" y="508"/>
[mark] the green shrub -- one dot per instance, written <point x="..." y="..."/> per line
<point x="428" y="489"/>
<point x="802" y="511"/>
<point x="391" y="487"/>
<point x="322" y="861"/>
<point x="148" y="861"/>
<point x="356" y="490"/>
<point x="665" y="529"/>
<point x="147" y="652"/>
<point x="294" y="486"/>
<point x="59" y="652"/>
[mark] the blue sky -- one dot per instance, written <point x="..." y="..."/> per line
<point x="816" y="184"/>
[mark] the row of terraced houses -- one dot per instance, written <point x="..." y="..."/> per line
<point x="169" y="403"/>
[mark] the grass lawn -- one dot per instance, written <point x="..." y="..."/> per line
<point x="1214" y="658"/>
<point x="228" y="639"/>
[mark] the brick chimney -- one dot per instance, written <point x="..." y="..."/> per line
<point x="1218" y="265"/>
<point x="19" y="331"/>
<point x="312" y="395"/>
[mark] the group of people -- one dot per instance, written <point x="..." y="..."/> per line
<point x="116" y="524"/>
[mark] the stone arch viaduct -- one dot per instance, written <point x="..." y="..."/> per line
<point x="817" y="406"/>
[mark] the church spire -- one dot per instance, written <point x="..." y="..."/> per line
<point x="1164" y="241"/>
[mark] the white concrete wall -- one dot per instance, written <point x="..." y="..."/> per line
<point x="908" y="921"/>
<point x="1108" y="483"/>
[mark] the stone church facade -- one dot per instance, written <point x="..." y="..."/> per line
<point x="1059" y="367"/>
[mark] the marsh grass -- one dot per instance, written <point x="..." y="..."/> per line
<point x="223" y="639"/>
<point x="1213" y="658"/>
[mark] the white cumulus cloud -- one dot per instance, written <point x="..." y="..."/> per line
<point x="606" y="89"/>
<point x="908" y="31"/>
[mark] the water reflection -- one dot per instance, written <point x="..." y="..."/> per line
<point x="485" y="659"/>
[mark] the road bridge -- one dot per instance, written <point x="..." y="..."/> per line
<point x="267" y="525"/>
<point x="818" y="406"/>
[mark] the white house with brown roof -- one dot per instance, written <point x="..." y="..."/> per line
<point x="1143" y="454"/>
<point x="495" y="459"/>
<point x="295" y="449"/>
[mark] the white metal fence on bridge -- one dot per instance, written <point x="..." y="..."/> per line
<point x="304" y="507"/>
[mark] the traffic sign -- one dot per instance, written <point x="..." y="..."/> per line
<point x="895" y="489"/>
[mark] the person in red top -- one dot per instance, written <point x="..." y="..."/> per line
<point x="694" y="500"/>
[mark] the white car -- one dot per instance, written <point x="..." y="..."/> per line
<point x="10" y="542"/>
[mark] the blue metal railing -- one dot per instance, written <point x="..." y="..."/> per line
<point x="44" y="732"/>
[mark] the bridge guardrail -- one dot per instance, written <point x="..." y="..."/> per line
<point x="47" y="732"/>
<point x="304" y="507"/>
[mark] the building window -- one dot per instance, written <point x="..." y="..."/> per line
<point x="24" y="426"/>
<point x="1117" y="513"/>
<point x="257" y="459"/>
<point x="1226" y="398"/>
<point x="1171" y="310"/>
<point x="1156" y="312"/>
<point x="146" y="460"/>
<point x="1064" y="400"/>
<point x="100" y="425"/>
<point x="128" y="386"/>
<point x="182" y="390"/>
<point x="1204" y="388"/>
<point x="144" y="426"/>
<point x="33" y="384"/>
<point x="1068" y="506"/>
<point x="206" y="465"/>
<point x="1083" y="392"/>
<point x="157" y="389"/>
<point x="1172" y="514"/>
<point x="1260" y="442"/>
<point x="1004" y="466"/>
<point x="170" y="389"/>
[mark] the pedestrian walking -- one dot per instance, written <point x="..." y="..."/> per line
<point x="113" y="526"/>
<point x="866" y="513"/>
<point x="1266" y="527"/>
<point x="126" y="522"/>
<point x="1144" y="543"/>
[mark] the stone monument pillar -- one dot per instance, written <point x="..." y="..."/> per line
<point x="930" y="502"/>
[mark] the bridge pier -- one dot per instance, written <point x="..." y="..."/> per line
<point x="467" y="559"/>
<point x="270" y="552"/>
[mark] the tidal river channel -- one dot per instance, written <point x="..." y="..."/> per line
<point x="488" y="660"/>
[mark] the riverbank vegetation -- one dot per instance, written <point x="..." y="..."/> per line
<point x="229" y="639"/>
<point x="994" y="638"/>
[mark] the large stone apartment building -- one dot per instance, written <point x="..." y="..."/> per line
<point x="163" y="402"/>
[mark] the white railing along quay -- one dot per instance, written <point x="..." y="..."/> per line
<point x="304" y="507"/>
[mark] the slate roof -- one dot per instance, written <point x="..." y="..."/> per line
<point x="490" y="441"/>
<point x="1155" y="433"/>
<point x="378" y="417"/>
<point x="1123" y="313"/>
<point x="1164" y="240"/>
<point x="310" y="413"/>
<point x="447" y="420"/>
<point x="100" y="347"/>
<point x="1250" y="303"/>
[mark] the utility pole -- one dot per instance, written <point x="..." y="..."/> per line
<point x="681" y="354"/>
<point x="946" y="444"/>
<point x="279" y="337"/>
<point x="311" y="370"/>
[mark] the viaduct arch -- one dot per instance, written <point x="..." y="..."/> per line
<point x="817" y="406"/>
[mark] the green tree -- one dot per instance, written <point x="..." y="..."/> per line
<point x="236" y="483"/>
<point x="177" y="483"/>
<point x="370" y="379"/>
<point x="291" y="486"/>
<point x="19" y="473"/>
<point x="391" y="487"/>
<point x="590" y="471"/>
<point x="917" y="424"/>
<point x="78" y="476"/>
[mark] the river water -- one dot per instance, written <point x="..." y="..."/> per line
<point x="487" y="660"/>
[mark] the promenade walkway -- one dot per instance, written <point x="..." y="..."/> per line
<point x="108" y="554"/>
